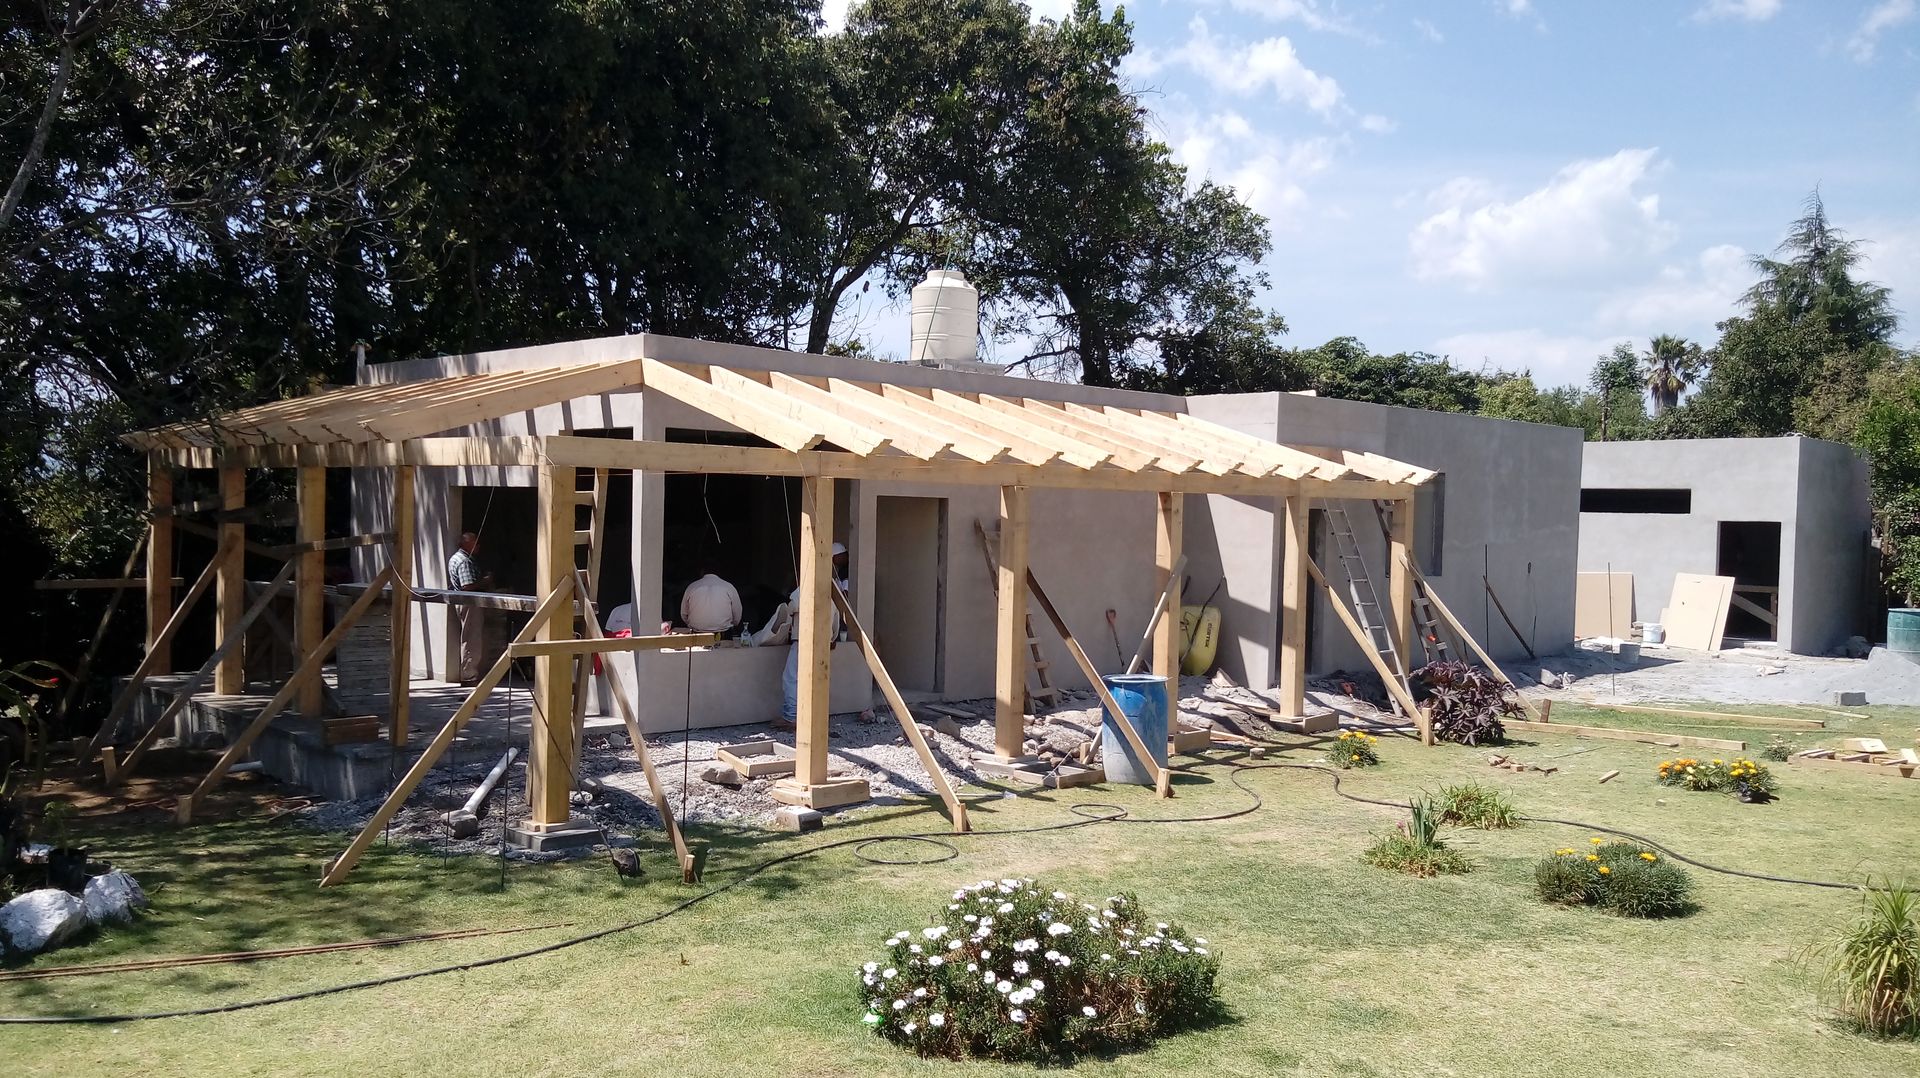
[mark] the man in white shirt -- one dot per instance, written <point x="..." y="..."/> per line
<point x="464" y="575"/>
<point x="710" y="605"/>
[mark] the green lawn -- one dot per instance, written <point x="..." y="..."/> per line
<point x="1328" y="966"/>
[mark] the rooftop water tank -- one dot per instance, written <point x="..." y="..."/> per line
<point x="946" y="320"/>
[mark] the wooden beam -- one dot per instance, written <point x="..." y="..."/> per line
<point x="575" y="648"/>
<point x="1013" y="442"/>
<point x="400" y="609"/>
<point x="1400" y="582"/>
<point x="914" y="441"/>
<point x="542" y="616"/>
<point x="815" y="626"/>
<point x="1294" y="582"/>
<point x="322" y="545"/>
<point x="309" y="592"/>
<point x="101" y="583"/>
<point x="699" y="393"/>
<point x="1163" y="607"/>
<point x="977" y="416"/>
<point x="1125" y="426"/>
<point x="1168" y="561"/>
<point x="1713" y="716"/>
<point x="550" y="747"/>
<point x="1010" y="626"/>
<point x="965" y="443"/>
<point x="848" y="434"/>
<point x="231" y="677"/>
<point x="1162" y="778"/>
<point x="1394" y="687"/>
<point x="956" y="811"/>
<point x="151" y="663"/>
<point x="1647" y="737"/>
<point x="472" y="405"/>
<point x="1123" y="456"/>
<point x="1459" y="630"/>
<point x="159" y="563"/>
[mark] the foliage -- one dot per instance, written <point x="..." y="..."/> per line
<point x="1749" y="779"/>
<point x="1465" y="701"/>
<point x="1622" y="877"/>
<point x="1777" y="749"/>
<point x="1889" y="436"/>
<point x="1353" y="748"/>
<point x="23" y="728"/>
<point x="1415" y="846"/>
<point x="1873" y="964"/>
<point x="1670" y="366"/>
<point x="1471" y="804"/>
<point x="1011" y="971"/>
<point x="1615" y="393"/>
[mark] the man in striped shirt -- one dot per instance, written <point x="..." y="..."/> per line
<point x="463" y="575"/>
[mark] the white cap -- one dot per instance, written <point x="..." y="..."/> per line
<point x="839" y="548"/>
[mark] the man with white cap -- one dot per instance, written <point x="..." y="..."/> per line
<point x="790" y="680"/>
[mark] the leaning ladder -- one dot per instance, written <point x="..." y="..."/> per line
<point x="594" y="500"/>
<point x="1432" y="643"/>
<point x="1038" y="660"/>
<point x="1366" y="602"/>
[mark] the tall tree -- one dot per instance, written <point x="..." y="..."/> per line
<point x="1668" y="368"/>
<point x="1615" y="384"/>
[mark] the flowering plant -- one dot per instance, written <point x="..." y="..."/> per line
<point x="1011" y="970"/>
<point x="1353" y="749"/>
<point x="1624" y="877"/>
<point x="1748" y="778"/>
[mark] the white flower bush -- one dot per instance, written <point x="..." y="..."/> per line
<point x="1031" y="974"/>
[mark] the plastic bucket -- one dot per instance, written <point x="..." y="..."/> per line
<point x="1143" y="699"/>
<point x="1653" y="633"/>
<point x="1903" y="633"/>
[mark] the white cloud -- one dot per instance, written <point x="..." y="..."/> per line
<point x="1305" y="12"/>
<point x="1883" y="16"/>
<point x="1590" y="219"/>
<point x="1268" y="66"/>
<point x="1554" y="359"/>
<point x="1429" y="31"/>
<point x="1269" y="174"/>
<point x="1748" y="10"/>
<point x="1687" y="298"/>
<point x="1377" y="125"/>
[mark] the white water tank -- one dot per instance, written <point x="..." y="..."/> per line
<point x="946" y="320"/>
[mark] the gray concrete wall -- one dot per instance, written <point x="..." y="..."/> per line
<point x="1815" y="490"/>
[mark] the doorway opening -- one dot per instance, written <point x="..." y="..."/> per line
<point x="909" y="590"/>
<point x="1750" y="554"/>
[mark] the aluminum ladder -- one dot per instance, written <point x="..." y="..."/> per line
<point x="1432" y="643"/>
<point x="1366" y="602"/>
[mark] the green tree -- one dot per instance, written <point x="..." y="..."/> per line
<point x="1618" y="408"/>
<point x="1515" y="396"/>
<point x="1668" y="368"/>
<point x="1889" y="436"/>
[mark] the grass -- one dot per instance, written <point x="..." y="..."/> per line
<point x="1473" y="804"/>
<point x="1328" y="966"/>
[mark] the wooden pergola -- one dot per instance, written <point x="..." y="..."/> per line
<point x="817" y="428"/>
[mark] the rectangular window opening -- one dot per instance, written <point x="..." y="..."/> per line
<point x="1636" y="500"/>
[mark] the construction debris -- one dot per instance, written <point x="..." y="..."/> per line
<point x="1509" y="763"/>
<point x="1609" y="776"/>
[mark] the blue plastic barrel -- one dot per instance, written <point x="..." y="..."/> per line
<point x="1903" y="633"/>
<point x="1143" y="699"/>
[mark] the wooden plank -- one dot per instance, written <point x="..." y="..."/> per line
<point x="1017" y="442"/>
<point x="1169" y="562"/>
<point x="1712" y="716"/>
<point x="159" y="565"/>
<point x="550" y="743"/>
<point x="848" y="434"/>
<point x="756" y="759"/>
<point x="1127" y="428"/>
<point x="548" y="386"/>
<point x="1387" y="676"/>
<point x="102" y="583"/>
<point x="1603" y="605"/>
<point x="815" y="627"/>
<point x="231" y="595"/>
<point x="922" y="444"/>
<point x="1648" y="737"/>
<point x="976" y="416"/>
<point x="1010" y="624"/>
<point x="575" y="648"/>
<point x="1696" y="616"/>
<point x="974" y="447"/>
<point x="1885" y="770"/>
<point x="703" y="395"/>
<point x="229" y="644"/>
<point x="151" y="663"/>
<point x="323" y="544"/>
<point x="1751" y="607"/>
<point x="309" y="593"/>
<point x="309" y="669"/>
<point x="1400" y="583"/>
<point x="1162" y="778"/>
<point x="1121" y="457"/>
<point x="956" y="811"/>
<point x="349" y="857"/>
<point x="400" y="610"/>
<point x="1294" y="584"/>
<point x="1459" y="630"/>
<point x="1169" y="599"/>
<point x="1501" y="609"/>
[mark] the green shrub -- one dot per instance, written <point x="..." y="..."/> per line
<point x="1873" y="965"/>
<point x="1472" y="805"/>
<point x="1778" y="749"/>
<point x="1353" y="748"/>
<point x="1749" y="779"/>
<point x="1416" y="848"/>
<point x="1623" y="877"/>
<point x="1464" y="702"/>
<point x="1009" y="970"/>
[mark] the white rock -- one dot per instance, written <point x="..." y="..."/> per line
<point x="41" y="919"/>
<point x="112" y="898"/>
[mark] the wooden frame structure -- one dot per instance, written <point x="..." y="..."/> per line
<point x="820" y="429"/>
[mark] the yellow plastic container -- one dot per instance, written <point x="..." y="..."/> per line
<point x="1200" y="642"/>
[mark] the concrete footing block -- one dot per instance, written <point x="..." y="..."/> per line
<point x="542" y="840"/>
<point x="796" y="818"/>
<point x="1849" y="698"/>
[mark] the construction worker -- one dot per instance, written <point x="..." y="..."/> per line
<point x="710" y="605"/>
<point x="790" y="680"/>
<point x="464" y="575"/>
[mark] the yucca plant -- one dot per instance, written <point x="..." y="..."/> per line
<point x="1415" y="846"/>
<point x="1873" y="965"/>
<point x="1472" y="805"/>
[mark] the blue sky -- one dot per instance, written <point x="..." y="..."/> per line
<point x="1523" y="183"/>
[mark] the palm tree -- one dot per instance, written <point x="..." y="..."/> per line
<point x="1670" y="365"/>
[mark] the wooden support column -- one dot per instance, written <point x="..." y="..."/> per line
<point x="550" y="748"/>
<point x="159" y="562"/>
<point x="230" y="677"/>
<point x="309" y="586"/>
<point x="1400" y="586"/>
<point x="400" y="610"/>
<point x="1294" y="582"/>
<point x="1168" y="526"/>
<point x="1010" y="632"/>
<point x="816" y="628"/>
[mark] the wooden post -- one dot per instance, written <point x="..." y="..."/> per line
<point x="231" y="676"/>
<point x="550" y="747"/>
<point x="1294" y="582"/>
<point x="1400" y="584"/>
<point x="400" y="610"/>
<point x="816" y="626"/>
<point x="159" y="562"/>
<point x="1168" y="525"/>
<point x="1010" y="634"/>
<point x="309" y="588"/>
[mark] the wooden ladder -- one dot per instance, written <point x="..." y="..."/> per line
<point x="1037" y="659"/>
<point x="1360" y="590"/>
<point x="1432" y="643"/>
<point x="594" y="499"/>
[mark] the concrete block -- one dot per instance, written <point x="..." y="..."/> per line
<point x="796" y="818"/>
<point x="574" y="836"/>
<point x="1848" y="698"/>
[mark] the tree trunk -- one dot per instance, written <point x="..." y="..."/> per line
<point x="38" y="146"/>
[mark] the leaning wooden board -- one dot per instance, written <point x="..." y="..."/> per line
<point x="1603" y="605"/>
<point x="1696" y="612"/>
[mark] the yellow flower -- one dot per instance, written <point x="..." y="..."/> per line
<point x="1648" y="857"/>
<point x="1593" y="857"/>
<point x="1596" y="841"/>
<point x="1604" y="870"/>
